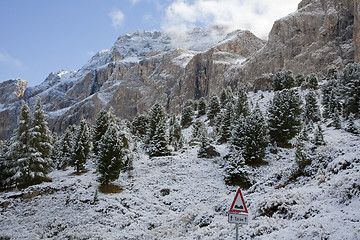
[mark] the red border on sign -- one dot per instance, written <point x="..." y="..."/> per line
<point x="232" y="210"/>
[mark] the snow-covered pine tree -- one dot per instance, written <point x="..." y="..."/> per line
<point x="41" y="137"/>
<point x="204" y="143"/>
<point x="331" y="96"/>
<point x="223" y="97"/>
<point x="5" y="165"/>
<point x="250" y="137"/>
<point x="235" y="170"/>
<point x="299" y="80"/>
<point x="311" y="110"/>
<point x="283" y="80"/>
<point x="302" y="158"/>
<point x="29" y="167"/>
<point x="226" y="123"/>
<point x="64" y="148"/>
<point x="336" y="121"/>
<point x="351" y="126"/>
<point x="156" y="142"/>
<point x="110" y="157"/>
<point x="187" y="114"/>
<point x="241" y="108"/>
<point x="102" y="122"/>
<point x="139" y="126"/>
<point x="202" y="107"/>
<point x="350" y="88"/>
<point x="312" y="81"/>
<point x="285" y="115"/>
<point x="213" y="108"/>
<point x="226" y="96"/>
<point x="319" y="136"/>
<point x="81" y="146"/>
<point x="198" y="129"/>
<point x="175" y="135"/>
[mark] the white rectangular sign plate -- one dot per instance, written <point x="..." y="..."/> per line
<point x="238" y="218"/>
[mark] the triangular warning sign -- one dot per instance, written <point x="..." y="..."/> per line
<point x="238" y="205"/>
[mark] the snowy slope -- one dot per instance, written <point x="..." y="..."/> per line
<point x="184" y="197"/>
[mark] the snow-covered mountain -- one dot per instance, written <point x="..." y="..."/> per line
<point x="147" y="67"/>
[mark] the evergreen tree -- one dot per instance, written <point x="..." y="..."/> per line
<point x="312" y="81"/>
<point x="299" y="80"/>
<point x="311" y="111"/>
<point x="250" y="137"/>
<point x="204" y="144"/>
<point x="351" y="127"/>
<point x="6" y="167"/>
<point x="301" y="157"/>
<point x="102" y="122"/>
<point x="202" y="107"/>
<point x="226" y="123"/>
<point x="156" y="135"/>
<point x="223" y="97"/>
<point x="226" y="96"/>
<point x="235" y="170"/>
<point x="199" y="129"/>
<point x="241" y="104"/>
<point x="175" y="135"/>
<point x="283" y="80"/>
<point x="285" y="115"/>
<point x="336" y="120"/>
<point x="350" y="88"/>
<point x="41" y="137"/>
<point x="139" y="126"/>
<point x="64" y="148"/>
<point x="187" y="114"/>
<point x="110" y="158"/>
<point x="319" y="136"/>
<point x="81" y="146"/>
<point x="29" y="166"/>
<point x="213" y="107"/>
<point x="330" y="97"/>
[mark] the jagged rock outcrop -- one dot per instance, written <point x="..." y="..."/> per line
<point x="320" y="33"/>
<point x="147" y="67"/>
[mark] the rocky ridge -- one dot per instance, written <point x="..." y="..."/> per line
<point x="144" y="67"/>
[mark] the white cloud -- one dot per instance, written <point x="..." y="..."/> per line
<point x="9" y="60"/>
<point x="257" y="16"/>
<point x="117" y="18"/>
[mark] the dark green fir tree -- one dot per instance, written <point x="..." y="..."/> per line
<point x="157" y="142"/>
<point x="285" y="115"/>
<point x="110" y="157"/>
<point x="81" y="146"/>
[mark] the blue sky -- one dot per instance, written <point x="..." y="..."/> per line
<point x="43" y="36"/>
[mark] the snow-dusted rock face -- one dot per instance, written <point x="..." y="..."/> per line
<point x="140" y="69"/>
<point x="145" y="67"/>
<point x="320" y="33"/>
<point x="357" y="31"/>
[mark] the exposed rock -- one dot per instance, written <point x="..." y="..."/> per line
<point x="357" y="30"/>
<point x="319" y="34"/>
<point x="147" y="67"/>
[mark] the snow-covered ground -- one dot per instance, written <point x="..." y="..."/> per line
<point x="185" y="197"/>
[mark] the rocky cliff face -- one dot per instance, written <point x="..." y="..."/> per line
<point x="320" y="33"/>
<point x="357" y="31"/>
<point x="145" y="67"/>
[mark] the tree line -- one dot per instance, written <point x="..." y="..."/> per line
<point x="249" y="131"/>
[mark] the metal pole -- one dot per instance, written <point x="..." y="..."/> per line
<point x="237" y="231"/>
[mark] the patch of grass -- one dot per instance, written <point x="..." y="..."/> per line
<point x="110" y="188"/>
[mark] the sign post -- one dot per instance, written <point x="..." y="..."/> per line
<point x="238" y="212"/>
